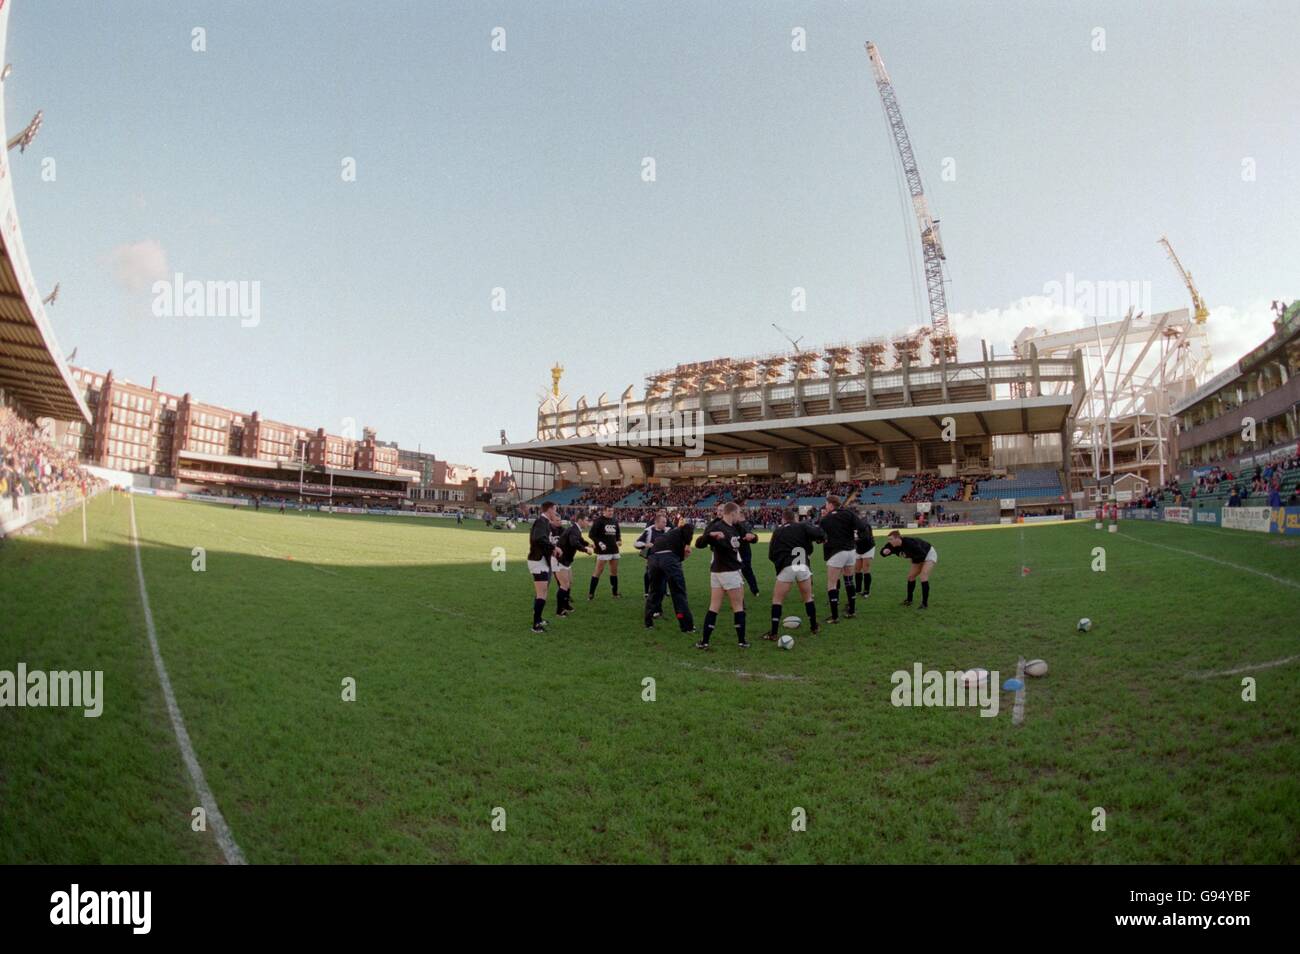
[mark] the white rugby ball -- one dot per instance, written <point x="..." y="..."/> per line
<point x="791" y="622"/>
<point x="1036" y="667"/>
<point x="1085" y="624"/>
<point x="975" y="677"/>
<point x="786" y="642"/>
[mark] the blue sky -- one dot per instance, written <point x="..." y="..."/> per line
<point x="521" y="170"/>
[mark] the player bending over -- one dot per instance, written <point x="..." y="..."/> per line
<point x="568" y="546"/>
<point x="541" y="546"/>
<point x="788" y="550"/>
<point x="606" y="536"/>
<point x="722" y="537"/>
<point x="923" y="557"/>
<point x="841" y="527"/>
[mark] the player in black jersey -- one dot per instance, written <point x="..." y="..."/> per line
<point x="722" y="537"/>
<point x="841" y="527"/>
<point x="667" y="552"/>
<point x="790" y="550"/>
<point x="606" y="536"/>
<point x="541" y="546"/>
<point x="923" y="557"/>
<point x="866" y="549"/>
<point x="656" y="528"/>
<point x="570" y="543"/>
<point x="747" y="536"/>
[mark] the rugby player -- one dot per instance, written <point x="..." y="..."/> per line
<point x="923" y="557"/>
<point x="866" y="549"/>
<point x="667" y="552"/>
<point x="841" y="527"/>
<point x="722" y="537"/>
<point x="541" y="545"/>
<point x="606" y="536"/>
<point x="655" y="529"/>
<point x="569" y="544"/>
<point x="789" y="550"/>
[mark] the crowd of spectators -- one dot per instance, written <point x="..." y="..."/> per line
<point x="30" y="464"/>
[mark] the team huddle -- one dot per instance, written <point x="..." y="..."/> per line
<point x="847" y="542"/>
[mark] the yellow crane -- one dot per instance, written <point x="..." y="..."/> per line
<point x="1200" y="312"/>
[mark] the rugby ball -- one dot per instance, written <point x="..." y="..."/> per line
<point x="1012" y="685"/>
<point x="972" y="678"/>
<point x="1036" y="667"/>
<point x="791" y="622"/>
<point x="1085" y="624"/>
<point x="786" y="642"/>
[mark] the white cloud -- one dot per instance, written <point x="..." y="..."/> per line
<point x="1232" y="331"/>
<point x="1000" y="326"/>
<point x="137" y="265"/>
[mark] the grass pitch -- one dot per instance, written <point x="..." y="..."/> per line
<point x="460" y="710"/>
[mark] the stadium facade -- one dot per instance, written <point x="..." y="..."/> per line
<point x="173" y="442"/>
<point x="840" y="415"/>
<point x="1250" y="412"/>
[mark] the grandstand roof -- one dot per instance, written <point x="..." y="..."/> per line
<point x="31" y="367"/>
<point x="885" y="425"/>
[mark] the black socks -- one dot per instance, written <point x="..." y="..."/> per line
<point x="776" y="618"/>
<point x="911" y="588"/>
<point x="925" y="593"/>
<point x="710" y="620"/>
<point x="595" y="580"/>
<point x="539" y="604"/>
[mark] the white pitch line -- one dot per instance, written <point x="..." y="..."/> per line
<point x="225" y="840"/>
<point x="1249" y="668"/>
<point x="776" y="677"/>
<point x="1236" y="566"/>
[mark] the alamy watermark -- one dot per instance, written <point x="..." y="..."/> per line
<point x="37" y="689"/>
<point x="1105" y="299"/>
<point x="617" y="427"/>
<point x="933" y="688"/>
<point x="177" y="298"/>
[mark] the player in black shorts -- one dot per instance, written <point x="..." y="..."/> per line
<point x="570" y="543"/>
<point x="866" y="549"/>
<point x="923" y="557"/>
<point x="747" y="536"/>
<point x="541" y="547"/>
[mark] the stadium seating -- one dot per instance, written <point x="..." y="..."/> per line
<point x="1023" y="485"/>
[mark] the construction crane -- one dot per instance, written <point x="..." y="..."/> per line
<point x="794" y="342"/>
<point x="1199" y="312"/>
<point x="931" y="243"/>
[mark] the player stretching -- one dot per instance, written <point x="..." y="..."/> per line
<point x="667" y="552"/>
<point x="789" y="549"/>
<point x="866" y="549"/>
<point x="570" y="543"/>
<point x="841" y="527"/>
<point x="923" y="557"/>
<point x="607" y="536"/>
<point x="541" y="545"/>
<point x="645" y="541"/>
<point x="722" y="537"/>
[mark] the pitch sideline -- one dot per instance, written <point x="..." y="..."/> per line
<point x="220" y="830"/>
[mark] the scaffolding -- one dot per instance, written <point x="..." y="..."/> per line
<point x="1135" y="370"/>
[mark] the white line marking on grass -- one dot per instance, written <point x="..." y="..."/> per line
<point x="1201" y="556"/>
<point x="774" y="676"/>
<point x="1241" y="669"/>
<point x="1018" y="713"/>
<point x="225" y="840"/>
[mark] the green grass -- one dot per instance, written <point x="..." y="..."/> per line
<point x="461" y="710"/>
